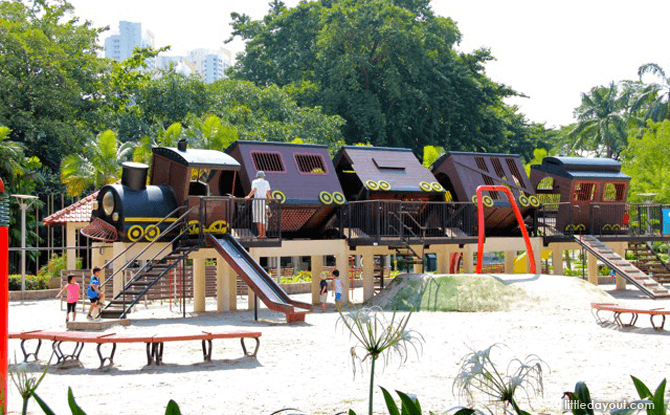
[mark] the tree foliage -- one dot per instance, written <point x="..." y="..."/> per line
<point x="49" y="75"/>
<point x="100" y="164"/>
<point x="602" y="121"/>
<point x="646" y="161"/>
<point x="388" y="67"/>
<point x="271" y="114"/>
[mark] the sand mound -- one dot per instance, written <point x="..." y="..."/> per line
<point x="465" y="292"/>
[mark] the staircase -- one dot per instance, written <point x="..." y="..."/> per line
<point x="649" y="262"/>
<point x="622" y="267"/>
<point x="406" y="251"/>
<point x="143" y="280"/>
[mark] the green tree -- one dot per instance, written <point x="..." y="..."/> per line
<point x="49" y="75"/>
<point x="271" y="114"/>
<point x="646" y="161"/>
<point x="602" y="121"/>
<point x="100" y="164"/>
<point x="655" y="96"/>
<point x="388" y="67"/>
<point x="208" y="133"/>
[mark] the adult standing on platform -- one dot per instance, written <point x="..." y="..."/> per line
<point x="260" y="190"/>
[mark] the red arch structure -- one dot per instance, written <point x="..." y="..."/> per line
<point x="519" y="218"/>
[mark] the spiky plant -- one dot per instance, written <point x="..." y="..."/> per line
<point x="479" y="375"/>
<point x="379" y="337"/>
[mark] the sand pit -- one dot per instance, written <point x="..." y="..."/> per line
<point x="308" y="365"/>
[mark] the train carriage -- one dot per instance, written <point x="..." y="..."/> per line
<point x="401" y="187"/>
<point x="302" y="177"/>
<point x="582" y="195"/>
<point x="461" y="173"/>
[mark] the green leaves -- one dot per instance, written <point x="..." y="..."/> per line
<point x="172" y="408"/>
<point x="658" y="406"/>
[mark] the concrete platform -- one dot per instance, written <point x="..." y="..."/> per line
<point x="96" y="325"/>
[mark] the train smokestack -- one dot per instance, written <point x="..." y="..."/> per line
<point x="181" y="145"/>
<point x="134" y="175"/>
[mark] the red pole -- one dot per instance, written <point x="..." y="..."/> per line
<point x="519" y="218"/>
<point x="4" y="294"/>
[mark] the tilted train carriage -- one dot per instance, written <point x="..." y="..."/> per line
<point x="400" y="187"/>
<point x="582" y="195"/>
<point x="301" y="176"/>
<point x="462" y="173"/>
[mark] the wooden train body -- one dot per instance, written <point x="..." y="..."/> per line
<point x="461" y="173"/>
<point x="582" y="195"/>
<point x="380" y="191"/>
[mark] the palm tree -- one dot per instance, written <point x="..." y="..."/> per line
<point x="602" y="121"/>
<point x="11" y="154"/>
<point x="655" y="95"/>
<point x="101" y="165"/>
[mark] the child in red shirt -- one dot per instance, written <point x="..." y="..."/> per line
<point x="72" y="289"/>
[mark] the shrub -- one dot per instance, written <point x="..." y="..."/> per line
<point x="33" y="282"/>
<point x="301" y="276"/>
<point x="55" y="265"/>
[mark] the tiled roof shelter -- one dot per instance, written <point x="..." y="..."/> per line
<point x="79" y="211"/>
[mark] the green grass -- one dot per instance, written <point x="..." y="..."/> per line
<point x="456" y="293"/>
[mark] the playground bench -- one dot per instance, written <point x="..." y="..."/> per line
<point x="155" y="344"/>
<point x="618" y="310"/>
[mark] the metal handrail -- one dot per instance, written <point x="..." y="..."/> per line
<point x="149" y="262"/>
<point x="127" y="264"/>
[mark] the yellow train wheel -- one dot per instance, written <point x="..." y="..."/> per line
<point x="436" y="187"/>
<point x="372" y="185"/>
<point x="339" y="198"/>
<point x="569" y="228"/>
<point x="218" y="227"/>
<point x="487" y="201"/>
<point x="534" y="201"/>
<point x="473" y="199"/>
<point x="425" y="186"/>
<point x="151" y="232"/>
<point x="524" y="201"/>
<point x="326" y="198"/>
<point x="606" y="227"/>
<point x="616" y="227"/>
<point x="135" y="233"/>
<point x="580" y="228"/>
<point x="279" y="196"/>
<point x="384" y="185"/>
<point x="194" y="227"/>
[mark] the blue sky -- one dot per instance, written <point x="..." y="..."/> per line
<point x="550" y="51"/>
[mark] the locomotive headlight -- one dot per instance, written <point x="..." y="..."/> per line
<point x="108" y="203"/>
<point x="95" y="205"/>
<point x="115" y="217"/>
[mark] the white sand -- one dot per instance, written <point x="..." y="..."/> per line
<point x="308" y="366"/>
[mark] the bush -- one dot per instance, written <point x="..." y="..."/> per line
<point x="33" y="282"/>
<point x="55" y="265"/>
<point x="301" y="276"/>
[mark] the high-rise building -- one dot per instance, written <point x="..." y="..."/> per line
<point x="120" y="46"/>
<point x="210" y="64"/>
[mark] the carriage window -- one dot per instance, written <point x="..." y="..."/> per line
<point x="614" y="192"/>
<point x="268" y="161"/>
<point x="515" y="172"/>
<point x="310" y="163"/>
<point x="488" y="180"/>
<point x="498" y="168"/>
<point x="481" y="163"/>
<point x="584" y="192"/>
<point x="546" y="183"/>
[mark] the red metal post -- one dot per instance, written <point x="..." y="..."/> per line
<point x="519" y="218"/>
<point x="4" y="294"/>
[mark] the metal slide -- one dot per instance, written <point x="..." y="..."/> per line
<point x="622" y="267"/>
<point x="266" y="288"/>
